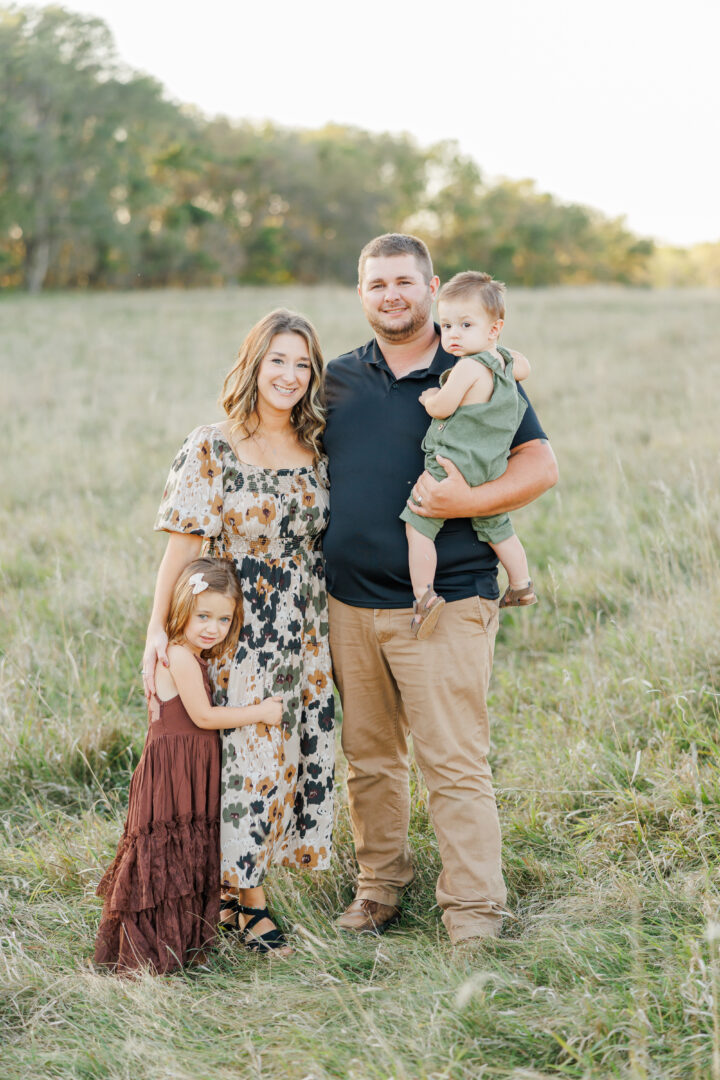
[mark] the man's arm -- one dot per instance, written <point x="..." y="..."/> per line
<point x="531" y="470"/>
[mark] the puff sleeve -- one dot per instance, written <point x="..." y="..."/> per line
<point x="193" y="498"/>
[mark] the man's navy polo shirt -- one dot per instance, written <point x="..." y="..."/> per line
<point x="375" y="426"/>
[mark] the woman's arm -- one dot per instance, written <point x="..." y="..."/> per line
<point x="188" y="679"/>
<point x="181" y="549"/>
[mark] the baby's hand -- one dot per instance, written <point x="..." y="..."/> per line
<point x="272" y="711"/>
<point x="427" y="394"/>
<point x="521" y="365"/>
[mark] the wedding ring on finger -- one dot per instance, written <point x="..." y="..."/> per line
<point x="418" y="500"/>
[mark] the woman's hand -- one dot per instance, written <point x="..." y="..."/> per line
<point x="272" y="711"/>
<point x="155" y="649"/>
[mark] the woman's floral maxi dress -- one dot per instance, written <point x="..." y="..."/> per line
<point x="276" y="790"/>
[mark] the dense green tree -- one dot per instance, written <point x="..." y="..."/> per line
<point x="105" y="183"/>
<point x="273" y="205"/>
<point x="526" y="237"/>
<point x="77" y="136"/>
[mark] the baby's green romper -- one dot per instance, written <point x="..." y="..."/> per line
<point x="477" y="440"/>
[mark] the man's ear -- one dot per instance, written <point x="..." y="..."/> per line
<point x="434" y="285"/>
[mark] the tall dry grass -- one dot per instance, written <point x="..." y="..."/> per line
<point x="604" y="705"/>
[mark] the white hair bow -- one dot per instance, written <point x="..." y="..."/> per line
<point x="199" y="584"/>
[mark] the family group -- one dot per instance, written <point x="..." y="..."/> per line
<point x="324" y="533"/>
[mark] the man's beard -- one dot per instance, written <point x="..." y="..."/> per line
<point x="417" y="318"/>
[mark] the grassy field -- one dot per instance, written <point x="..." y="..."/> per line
<point x="604" y="704"/>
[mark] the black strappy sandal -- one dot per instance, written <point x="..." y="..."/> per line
<point x="231" y="925"/>
<point x="269" y="942"/>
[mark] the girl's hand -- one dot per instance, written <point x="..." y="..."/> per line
<point x="274" y="709"/>
<point x="155" y="649"/>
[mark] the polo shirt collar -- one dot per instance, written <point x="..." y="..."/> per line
<point x="440" y="361"/>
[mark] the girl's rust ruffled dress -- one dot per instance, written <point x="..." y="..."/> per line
<point x="162" y="892"/>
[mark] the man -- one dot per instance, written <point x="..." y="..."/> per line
<point x="392" y="685"/>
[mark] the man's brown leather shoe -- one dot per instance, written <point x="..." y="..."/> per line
<point x="368" y="917"/>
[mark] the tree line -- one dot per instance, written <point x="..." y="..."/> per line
<point x="104" y="183"/>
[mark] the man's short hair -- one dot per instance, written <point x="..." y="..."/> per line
<point x="397" y="244"/>
<point x="479" y="286"/>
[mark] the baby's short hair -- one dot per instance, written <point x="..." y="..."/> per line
<point x="482" y="287"/>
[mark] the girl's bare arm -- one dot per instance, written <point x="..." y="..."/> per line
<point x="187" y="676"/>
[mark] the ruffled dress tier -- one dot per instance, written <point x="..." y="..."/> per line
<point x="161" y="892"/>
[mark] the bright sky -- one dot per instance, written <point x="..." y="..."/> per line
<point x="612" y="104"/>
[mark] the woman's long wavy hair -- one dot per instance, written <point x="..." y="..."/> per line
<point x="239" y="394"/>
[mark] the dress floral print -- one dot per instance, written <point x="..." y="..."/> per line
<point x="276" y="790"/>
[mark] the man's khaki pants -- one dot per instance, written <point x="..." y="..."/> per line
<point x="392" y="685"/>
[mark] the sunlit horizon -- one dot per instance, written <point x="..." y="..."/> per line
<point x="592" y="104"/>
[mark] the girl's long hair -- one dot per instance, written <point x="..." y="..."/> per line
<point x="239" y="394"/>
<point x="221" y="578"/>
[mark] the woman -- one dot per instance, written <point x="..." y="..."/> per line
<point x="254" y="489"/>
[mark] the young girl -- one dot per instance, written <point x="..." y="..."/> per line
<point x="476" y="410"/>
<point x="162" y="891"/>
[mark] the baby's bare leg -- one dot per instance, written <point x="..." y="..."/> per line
<point x="511" y="554"/>
<point x="422" y="560"/>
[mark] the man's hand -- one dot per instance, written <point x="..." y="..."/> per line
<point x="531" y="470"/>
<point x="439" y="498"/>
